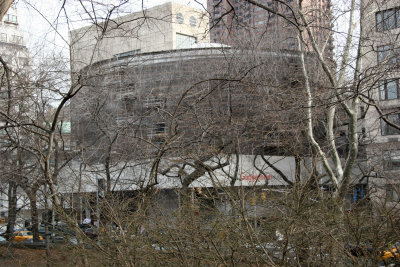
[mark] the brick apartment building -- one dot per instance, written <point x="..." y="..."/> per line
<point x="240" y="23"/>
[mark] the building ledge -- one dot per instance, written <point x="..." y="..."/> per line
<point x="13" y="45"/>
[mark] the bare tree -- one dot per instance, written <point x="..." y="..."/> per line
<point x="229" y="155"/>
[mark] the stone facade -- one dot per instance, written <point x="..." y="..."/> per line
<point x="381" y="63"/>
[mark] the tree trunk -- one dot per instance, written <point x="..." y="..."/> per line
<point x="34" y="214"/>
<point x="297" y="161"/>
<point x="46" y="227"/>
<point x="12" y="207"/>
<point x="108" y="175"/>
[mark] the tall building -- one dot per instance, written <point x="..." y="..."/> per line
<point x="164" y="27"/>
<point x="15" y="54"/>
<point x="381" y="63"/>
<point x="240" y="23"/>
<point x="12" y="43"/>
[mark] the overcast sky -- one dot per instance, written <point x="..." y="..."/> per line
<point x="38" y="20"/>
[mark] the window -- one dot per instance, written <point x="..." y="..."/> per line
<point x="356" y="193"/>
<point x="386" y="128"/>
<point x="391" y="160"/>
<point x="379" y="25"/>
<point x="10" y="18"/>
<point x="387" y="54"/>
<point x="192" y="21"/>
<point x="19" y="40"/>
<point x="64" y="127"/>
<point x="154" y="102"/>
<point x="398" y="17"/>
<point x="389" y="89"/>
<point x="388" y="19"/>
<point x="359" y="192"/>
<point x="179" y="18"/>
<point x="363" y="132"/>
<point x="15" y="39"/>
<point x="158" y="128"/>
<point x="362" y="111"/>
<point x="383" y="53"/>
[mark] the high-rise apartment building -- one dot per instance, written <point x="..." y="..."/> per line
<point x="15" y="54"/>
<point x="381" y="64"/>
<point x="12" y="43"/>
<point x="240" y="23"/>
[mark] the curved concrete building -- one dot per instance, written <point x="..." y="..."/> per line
<point x="193" y="101"/>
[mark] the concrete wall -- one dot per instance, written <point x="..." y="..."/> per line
<point x="123" y="89"/>
<point x="152" y="30"/>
